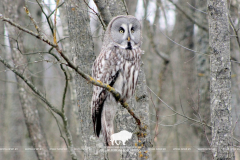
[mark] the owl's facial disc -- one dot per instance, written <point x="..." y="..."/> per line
<point x="127" y="39"/>
<point x="126" y="33"/>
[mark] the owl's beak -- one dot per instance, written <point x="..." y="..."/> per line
<point x="129" y="39"/>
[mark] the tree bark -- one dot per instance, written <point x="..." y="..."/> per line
<point x="220" y="79"/>
<point x="82" y="51"/>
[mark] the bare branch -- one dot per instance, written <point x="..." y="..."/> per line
<point x="196" y="8"/>
<point x="156" y="126"/>
<point x="55" y="24"/>
<point x="61" y="114"/>
<point x="234" y="29"/>
<point x="99" y="17"/>
<point x="199" y="122"/>
<point x="34" y="22"/>
<point x="125" y="6"/>
<point x="27" y="30"/>
<point x="189" y="17"/>
<point x="66" y="85"/>
<point x="164" y="56"/>
<point x="47" y="17"/>
<point x="104" y="11"/>
<point x="34" y="89"/>
<point x="55" y="9"/>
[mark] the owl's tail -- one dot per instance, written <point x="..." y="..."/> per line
<point x="107" y="119"/>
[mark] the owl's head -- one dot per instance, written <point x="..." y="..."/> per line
<point x="125" y="31"/>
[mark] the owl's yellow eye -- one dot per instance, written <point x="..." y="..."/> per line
<point x="132" y="30"/>
<point x="121" y="31"/>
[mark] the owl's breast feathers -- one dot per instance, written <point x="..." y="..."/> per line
<point x="119" y="68"/>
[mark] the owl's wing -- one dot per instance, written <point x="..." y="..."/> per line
<point x="106" y="69"/>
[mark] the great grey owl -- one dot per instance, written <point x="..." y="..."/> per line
<point x="118" y="65"/>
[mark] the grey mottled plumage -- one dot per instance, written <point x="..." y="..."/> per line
<point x="118" y="65"/>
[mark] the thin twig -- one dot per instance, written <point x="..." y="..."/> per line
<point x="55" y="24"/>
<point x="189" y="17"/>
<point x="59" y="128"/>
<point x="156" y="126"/>
<point x="170" y="125"/>
<point x="236" y="139"/>
<point x="55" y="9"/>
<point x="164" y="56"/>
<point x="31" y="53"/>
<point x="34" y="89"/>
<point x="202" y="123"/>
<point x="27" y="30"/>
<point x="234" y="29"/>
<point x="183" y="46"/>
<point x="104" y="11"/>
<point x="196" y="8"/>
<point x="34" y="22"/>
<point x="61" y="114"/>
<point x="125" y="6"/>
<point x="181" y="105"/>
<point x="66" y="86"/>
<point x="48" y="19"/>
<point x="99" y="17"/>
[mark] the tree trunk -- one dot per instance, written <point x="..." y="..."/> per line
<point x="182" y="90"/>
<point x="82" y="51"/>
<point x="29" y="110"/>
<point x="220" y="79"/>
<point x="3" y="91"/>
<point x="202" y="64"/>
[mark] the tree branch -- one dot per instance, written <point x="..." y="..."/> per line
<point x="104" y="11"/>
<point x="99" y="17"/>
<point x="183" y="115"/>
<point x="189" y="17"/>
<point x="71" y="65"/>
<point x="164" y="56"/>
<point x="27" y="30"/>
<point x="34" y="22"/>
<point x="234" y="29"/>
<point x="61" y="114"/>
<point x="47" y="17"/>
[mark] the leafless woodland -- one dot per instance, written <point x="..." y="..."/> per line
<point x="186" y="102"/>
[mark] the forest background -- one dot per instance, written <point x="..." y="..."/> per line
<point x="45" y="102"/>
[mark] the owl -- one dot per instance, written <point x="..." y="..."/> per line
<point x="117" y="65"/>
